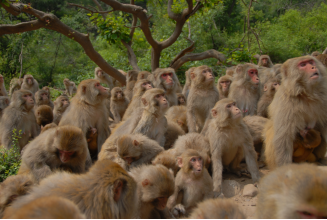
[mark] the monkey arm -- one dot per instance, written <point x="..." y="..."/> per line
<point x="216" y="146"/>
<point x="191" y="120"/>
<point x="148" y="153"/>
<point x="114" y="111"/>
<point x="160" y="138"/>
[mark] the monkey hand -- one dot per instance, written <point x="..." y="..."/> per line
<point x="178" y="210"/>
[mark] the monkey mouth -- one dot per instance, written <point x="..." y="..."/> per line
<point x="314" y="76"/>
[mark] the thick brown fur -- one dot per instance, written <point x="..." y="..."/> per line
<point x="188" y="82"/>
<point x="293" y="191"/>
<point x="92" y="144"/>
<point x="299" y="103"/>
<point x="270" y="88"/>
<point x="178" y="114"/>
<point x="181" y="99"/>
<point x="118" y="104"/>
<point x="43" y="115"/>
<point x="106" y="191"/>
<point x="323" y="59"/>
<point x="60" y="106"/>
<point x="42" y="97"/>
<point x="303" y="147"/>
<point x="230" y="70"/>
<point x="103" y="77"/>
<point x="143" y="75"/>
<point x="48" y="126"/>
<point x="4" y="103"/>
<point x="116" y="82"/>
<point x="70" y="87"/>
<point x="3" y="91"/>
<point x="168" y="159"/>
<point x="315" y="54"/>
<point x="29" y="83"/>
<point x="267" y="74"/>
<point x="269" y="64"/>
<point x="15" y="84"/>
<point x="224" y="94"/>
<point x="130" y="83"/>
<point x="172" y="133"/>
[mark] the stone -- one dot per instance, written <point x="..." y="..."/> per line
<point x="230" y="188"/>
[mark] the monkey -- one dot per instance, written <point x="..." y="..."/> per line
<point x="118" y="104"/>
<point x="19" y="115"/>
<point x="107" y="103"/>
<point x="303" y="146"/>
<point x="230" y="71"/>
<point x="3" y="91"/>
<point x="4" y="103"/>
<point x="322" y="58"/>
<point x="48" y="126"/>
<point x="297" y="107"/>
<point x="202" y="97"/>
<point x="43" y="115"/>
<point x="143" y="75"/>
<point x="63" y="147"/>
<point x="70" y="87"/>
<point x="269" y="89"/>
<point x="178" y="114"/>
<point x="130" y="83"/>
<point x="245" y="88"/>
<point x="29" y="83"/>
<point x="181" y="100"/>
<point x="265" y="61"/>
<point x="266" y="74"/>
<point x="46" y="88"/>
<point x="105" y="182"/>
<point x="223" y="85"/>
<point x="315" y="54"/>
<point x="48" y="207"/>
<point x="103" y="77"/>
<point x="188" y="82"/>
<point x="91" y="138"/>
<point x="87" y="109"/>
<point x="172" y="133"/>
<point x="217" y="209"/>
<point x="167" y="159"/>
<point x="193" y="184"/>
<point x="140" y="87"/>
<point x="12" y="188"/>
<point x="229" y="139"/>
<point x="155" y="184"/>
<point x="15" y="84"/>
<point x="42" y="97"/>
<point x="166" y="79"/>
<point x="60" y="106"/>
<point x="293" y="191"/>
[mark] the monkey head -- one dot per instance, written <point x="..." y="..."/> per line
<point x="191" y="162"/>
<point x="225" y="112"/>
<point x="62" y="102"/>
<point x="1" y="79"/>
<point x="131" y="75"/>
<point x="265" y="61"/>
<point x="181" y="99"/>
<point x="315" y="54"/>
<point x="249" y="73"/>
<point x="98" y="72"/>
<point x="91" y="92"/>
<point x="271" y="86"/>
<point x="188" y="73"/>
<point x="202" y="76"/>
<point x="165" y="78"/>
<point x="42" y="97"/>
<point x="117" y="94"/>
<point x="43" y="115"/>
<point x="4" y="102"/>
<point x="154" y="101"/>
<point x="66" y="82"/>
<point x="224" y="83"/>
<point x="143" y="75"/>
<point x="128" y="148"/>
<point x="142" y="85"/>
<point x="23" y="98"/>
<point x="29" y="80"/>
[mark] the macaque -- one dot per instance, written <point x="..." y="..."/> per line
<point x="188" y="82"/>
<point x="60" y="106"/>
<point x="48" y="126"/>
<point x="265" y="61"/>
<point x="304" y="145"/>
<point x="15" y="84"/>
<point x="229" y="139"/>
<point x="322" y="58"/>
<point x="294" y="191"/>
<point x="19" y="115"/>
<point x="42" y="97"/>
<point x="91" y="138"/>
<point x="167" y="158"/>
<point x="140" y="87"/>
<point x="46" y="88"/>
<point x="202" y="97"/>
<point x="48" y="207"/>
<point x="29" y="83"/>
<point x="223" y="85"/>
<point x="315" y="54"/>
<point x="298" y="106"/>
<point x="142" y="75"/>
<point x="178" y="114"/>
<point x="230" y="71"/>
<point x="4" y="103"/>
<point x="88" y="109"/>
<point x="43" y="115"/>
<point x="245" y="88"/>
<point x="118" y="104"/>
<point x="193" y="184"/>
<point x="103" y="77"/>
<point x="181" y="99"/>
<point x="62" y="148"/>
<point x="12" y="188"/>
<point x="269" y="89"/>
<point x="172" y="133"/>
<point x="70" y="87"/>
<point x="217" y="209"/>
<point x="3" y="91"/>
<point x="106" y="191"/>
<point x="130" y="83"/>
<point x="166" y="79"/>
<point x="155" y="183"/>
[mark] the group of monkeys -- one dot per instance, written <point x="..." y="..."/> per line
<point x="156" y="150"/>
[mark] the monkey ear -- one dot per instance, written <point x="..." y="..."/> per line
<point x="214" y="113"/>
<point x="84" y="89"/>
<point x="145" y="182"/>
<point x="136" y="143"/>
<point x="192" y="75"/>
<point x="145" y="103"/>
<point x="118" y="187"/>
<point x="180" y="123"/>
<point x="265" y="88"/>
<point x="142" y="76"/>
<point x="180" y="162"/>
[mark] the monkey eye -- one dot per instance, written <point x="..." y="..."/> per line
<point x="144" y="84"/>
<point x="164" y="75"/>
<point x="193" y="159"/>
<point x="303" y="64"/>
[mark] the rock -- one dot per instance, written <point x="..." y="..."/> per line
<point x="250" y="190"/>
<point x="230" y="188"/>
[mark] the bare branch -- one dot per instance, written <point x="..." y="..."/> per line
<point x="172" y="14"/>
<point x="21" y="27"/>
<point x="80" y="6"/>
<point x="131" y="56"/>
<point x="182" y="53"/>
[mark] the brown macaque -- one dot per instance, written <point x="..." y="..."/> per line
<point x="130" y="83"/>
<point x="322" y="58"/>
<point x="223" y="85"/>
<point x="217" y="209"/>
<point x="140" y="87"/>
<point x="70" y="87"/>
<point x="188" y="82"/>
<point x="202" y="97"/>
<point x="143" y="75"/>
<point x="229" y="139"/>
<point x="304" y="145"/>
<point x="48" y="126"/>
<point x="105" y="191"/>
<point x="166" y="79"/>
<point x="42" y="97"/>
<point x="43" y="115"/>
<point x="178" y="114"/>
<point x="103" y="77"/>
<point x="12" y="188"/>
<point x="48" y="207"/>
<point x="230" y="71"/>
<point x="19" y="115"/>
<point x="15" y="84"/>
<point x="3" y="91"/>
<point x="245" y="88"/>
<point x="47" y="88"/>
<point x="267" y="74"/>
<point x="29" y="83"/>
<point x="155" y="183"/>
<point x="167" y="159"/>
<point x="294" y="191"/>
<point x="91" y="138"/>
<point x="298" y="106"/>
<point x="61" y="148"/>
<point x="315" y="54"/>
<point x="265" y="61"/>
<point x="4" y="103"/>
<point x="118" y="104"/>
<point x="107" y="103"/>
<point x="60" y="106"/>
<point x="172" y="133"/>
<point x="88" y="110"/>
<point x="181" y="99"/>
<point x="269" y="89"/>
<point x="193" y="184"/>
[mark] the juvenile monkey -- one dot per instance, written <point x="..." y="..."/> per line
<point x="29" y="83"/>
<point x="178" y="114"/>
<point x="193" y="184"/>
<point x="3" y="91"/>
<point x="70" y="87"/>
<point x="118" y="104"/>
<point x="130" y="82"/>
<point x="202" y="97"/>
<point x="60" y="106"/>
<point x="188" y="82"/>
<point x="265" y="61"/>
<point x="15" y="84"/>
<point x="4" y="103"/>
<point x="103" y="77"/>
<point x="181" y="99"/>
<point x="43" y="115"/>
<point x="270" y="88"/>
<point x="293" y="191"/>
<point x="42" y="98"/>
<point x="229" y="139"/>
<point x="223" y="85"/>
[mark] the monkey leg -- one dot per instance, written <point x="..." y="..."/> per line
<point x="234" y="165"/>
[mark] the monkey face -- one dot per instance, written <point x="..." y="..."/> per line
<point x="253" y="74"/>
